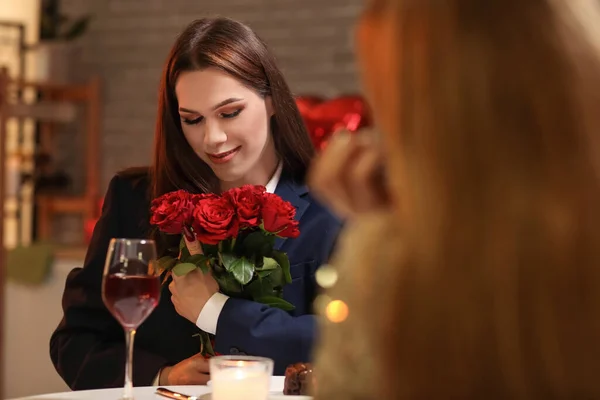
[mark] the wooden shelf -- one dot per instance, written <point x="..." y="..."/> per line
<point x="56" y="105"/>
<point x="64" y="204"/>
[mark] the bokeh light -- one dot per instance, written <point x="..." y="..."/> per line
<point x="326" y="276"/>
<point x="337" y="311"/>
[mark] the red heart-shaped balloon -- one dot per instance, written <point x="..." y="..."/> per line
<point x="322" y="119"/>
<point x="306" y="103"/>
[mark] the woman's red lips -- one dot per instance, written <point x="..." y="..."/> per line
<point x="221" y="158"/>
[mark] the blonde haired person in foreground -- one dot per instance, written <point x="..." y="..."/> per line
<point x="471" y="269"/>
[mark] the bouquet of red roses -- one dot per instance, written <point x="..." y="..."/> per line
<point x="237" y="231"/>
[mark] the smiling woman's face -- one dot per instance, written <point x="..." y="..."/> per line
<point x="228" y="126"/>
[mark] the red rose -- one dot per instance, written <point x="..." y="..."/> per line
<point x="196" y="198"/>
<point x="214" y="219"/>
<point x="278" y="216"/>
<point x="171" y="211"/>
<point x="247" y="201"/>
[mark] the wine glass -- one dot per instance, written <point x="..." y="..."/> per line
<point x="130" y="290"/>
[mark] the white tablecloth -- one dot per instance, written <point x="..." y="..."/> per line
<point x="148" y="393"/>
<point x="140" y="393"/>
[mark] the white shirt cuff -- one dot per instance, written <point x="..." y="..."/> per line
<point x="209" y="316"/>
<point x="156" y="380"/>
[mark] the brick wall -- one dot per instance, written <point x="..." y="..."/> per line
<point x="128" y="42"/>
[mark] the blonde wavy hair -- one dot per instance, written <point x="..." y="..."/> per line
<point x="490" y="113"/>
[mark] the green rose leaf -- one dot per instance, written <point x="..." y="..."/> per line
<point x="275" y="302"/>
<point x="218" y="267"/>
<point x="258" y="244"/>
<point x="260" y="288"/>
<point x="270" y="243"/>
<point x="183" y="268"/>
<point x="197" y="258"/>
<point x="183" y="250"/>
<point x="200" y="261"/>
<point x="264" y="274"/>
<point x="166" y="263"/>
<point x="242" y="270"/>
<point x="229" y="285"/>
<point x="283" y="260"/>
<point x="227" y="260"/>
<point x="269" y="264"/>
<point x="206" y="348"/>
<point x="253" y="243"/>
<point x="276" y="278"/>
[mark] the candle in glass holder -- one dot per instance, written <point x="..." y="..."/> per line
<point x="240" y="377"/>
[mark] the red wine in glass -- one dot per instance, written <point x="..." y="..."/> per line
<point x="130" y="290"/>
<point x="131" y="298"/>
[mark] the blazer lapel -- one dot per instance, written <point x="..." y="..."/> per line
<point x="293" y="192"/>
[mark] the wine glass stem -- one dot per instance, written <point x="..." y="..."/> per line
<point x="129" y="337"/>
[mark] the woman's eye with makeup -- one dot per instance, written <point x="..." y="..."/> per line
<point x="231" y="115"/>
<point x="188" y="121"/>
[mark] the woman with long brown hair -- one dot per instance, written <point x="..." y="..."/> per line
<point x="226" y="118"/>
<point x="475" y="272"/>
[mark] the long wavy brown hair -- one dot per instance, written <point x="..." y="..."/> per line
<point x="489" y="114"/>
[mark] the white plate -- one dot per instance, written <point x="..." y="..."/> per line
<point x="277" y="385"/>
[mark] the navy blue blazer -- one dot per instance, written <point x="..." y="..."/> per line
<point x="88" y="346"/>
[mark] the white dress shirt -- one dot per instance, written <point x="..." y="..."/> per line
<point x="209" y="315"/>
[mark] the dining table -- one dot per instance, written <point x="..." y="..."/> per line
<point x="195" y="392"/>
